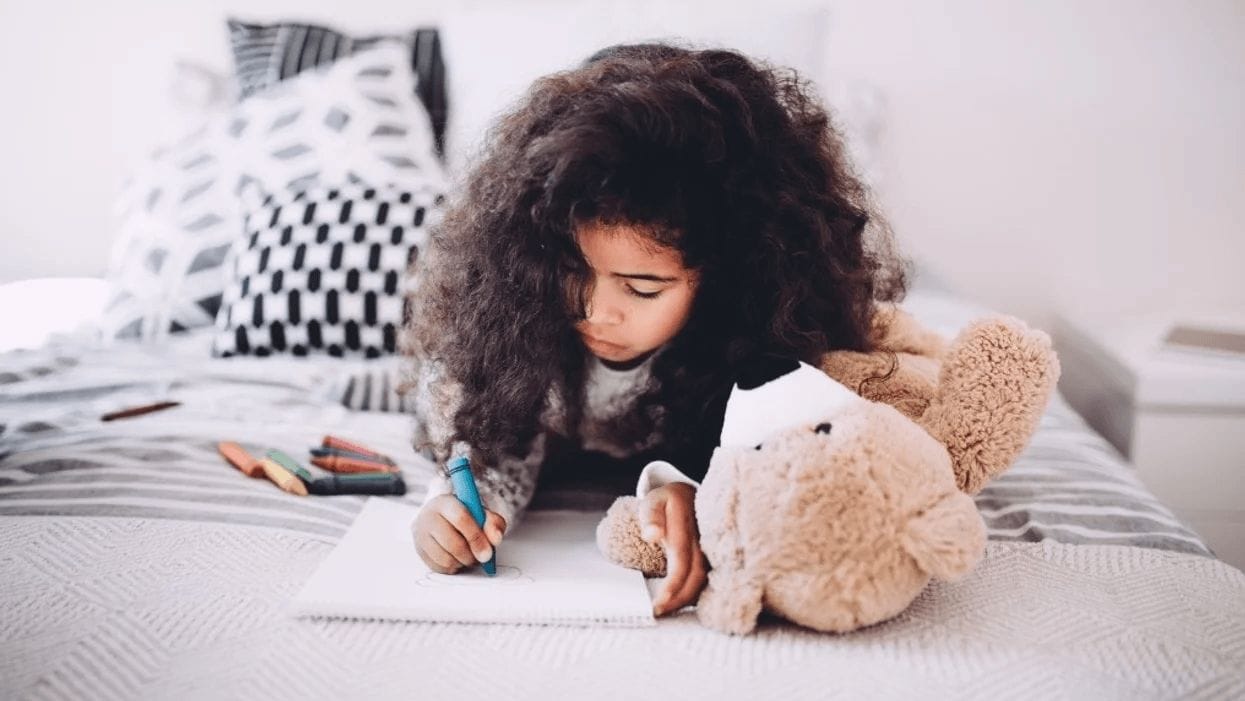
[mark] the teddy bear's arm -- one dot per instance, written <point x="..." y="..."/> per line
<point x="895" y="330"/>
<point x="618" y="539"/>
<point x="904" y="381"/>
<point x="994" y="385"/>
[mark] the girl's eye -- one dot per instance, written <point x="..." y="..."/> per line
<point x="642" y="295"/>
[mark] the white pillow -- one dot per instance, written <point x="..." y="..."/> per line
<point x="356" y="121"/>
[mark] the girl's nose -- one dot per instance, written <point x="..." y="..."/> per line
<point x="601" y="309"/>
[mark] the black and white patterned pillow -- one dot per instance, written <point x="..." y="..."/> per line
<point x="323" y="270"/>
<point x="265" y="54"/>
<point x="357" y="120"/>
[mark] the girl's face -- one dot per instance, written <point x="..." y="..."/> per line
<point x="640" y="294"/>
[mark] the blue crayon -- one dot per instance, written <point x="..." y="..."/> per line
<point x="465" y="489"/>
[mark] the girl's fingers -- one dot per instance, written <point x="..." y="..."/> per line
<point x="653" y="518"/>
<point x="494" y="527"/>
<point x="453" y="543"/>
<point x="435" y="556"/>
<point x="679" y="545"/>
<point x="478" y="547"/>
<point x="697" y="576"/>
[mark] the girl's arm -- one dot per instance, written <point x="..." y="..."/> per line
<point x="506" y="488"/>
<point x="659" y="473"/>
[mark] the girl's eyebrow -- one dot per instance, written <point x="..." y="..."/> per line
<point x="646" y="276"/>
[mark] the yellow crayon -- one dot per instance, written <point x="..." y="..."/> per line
<point x="283" y="478"/>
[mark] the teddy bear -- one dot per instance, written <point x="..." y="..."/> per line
<point x="837" y="492"/>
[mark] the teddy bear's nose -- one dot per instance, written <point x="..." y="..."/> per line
<point x="822" y="428"/>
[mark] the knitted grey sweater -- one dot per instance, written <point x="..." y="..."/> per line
<point x="507" y="488"/>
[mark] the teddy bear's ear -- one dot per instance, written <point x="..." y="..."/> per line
<point x="800" y="394"/>
<point x="948" y="538"/>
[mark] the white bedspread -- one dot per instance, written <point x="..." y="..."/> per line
<point x="106" y="608"/>
<point x="136" y="564"/>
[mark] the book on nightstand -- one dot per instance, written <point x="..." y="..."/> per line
<point x="1205" y="340"/>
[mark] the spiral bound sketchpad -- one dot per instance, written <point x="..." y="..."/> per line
<point x="548" y="571"/>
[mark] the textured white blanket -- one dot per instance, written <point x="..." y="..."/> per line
<point x="123" y="608"/>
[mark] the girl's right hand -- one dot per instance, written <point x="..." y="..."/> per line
<point x="448" y="539"/>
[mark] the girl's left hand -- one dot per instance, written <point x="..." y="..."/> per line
<point x="668" y="518"/>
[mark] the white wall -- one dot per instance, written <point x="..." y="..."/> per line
<point x="1036" y="153"/>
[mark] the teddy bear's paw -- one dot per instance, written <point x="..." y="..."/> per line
<point x="995" y="383"/>
<point x="618" y="539"/>
<point x="729" y="603"/>
<point x="1011" y="350"/>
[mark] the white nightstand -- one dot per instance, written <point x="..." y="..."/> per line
<point x="1179" y="417"/>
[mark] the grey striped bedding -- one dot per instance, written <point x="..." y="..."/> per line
<point x="58" y="458"/>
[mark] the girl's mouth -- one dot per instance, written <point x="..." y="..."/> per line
<point x="597" y="344"/>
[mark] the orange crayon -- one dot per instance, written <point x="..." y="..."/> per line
<point x="239" y="458"/>
<point x="343" y="444"/>
<point x="337" y="463"/>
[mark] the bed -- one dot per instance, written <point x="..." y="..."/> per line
<point x="138" y="564"/>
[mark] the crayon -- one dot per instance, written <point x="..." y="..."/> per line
<point x="336" y="463"/>
<point x="138" y="410"/>
<point x="378" y="483"/>
<point x="343" y="444"/>
<point x="237" y="456"/>
<point x="290" y="464"/>
<point x="283" y="478"/>
<point x="464" y="485"/>
<point x="337" y="452"/>
<point x="328" y="484"/>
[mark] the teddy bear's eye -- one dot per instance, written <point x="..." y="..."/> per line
<point x="822" y="428"/>
<point x="757" y="446"/>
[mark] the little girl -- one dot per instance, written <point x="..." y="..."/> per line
<point x="637" y="229"/>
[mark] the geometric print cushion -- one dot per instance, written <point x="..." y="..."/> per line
<point x="323" y="270"/>
<point x="175" y="224"/>
<point x="356" y="120"/>
<point x="266" y="54"/>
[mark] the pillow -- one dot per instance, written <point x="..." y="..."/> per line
<point x="265" y="54"/>
<point x="322" y="270"/>
<point x="356" y="121"/>
<point x="374" y="386"/>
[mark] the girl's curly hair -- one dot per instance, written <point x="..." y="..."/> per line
<point x="730" y="162"/>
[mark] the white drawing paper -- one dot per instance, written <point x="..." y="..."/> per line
<point x="548" y="571"/>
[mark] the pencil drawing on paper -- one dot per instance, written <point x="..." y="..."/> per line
<point x="475" y="577"/>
